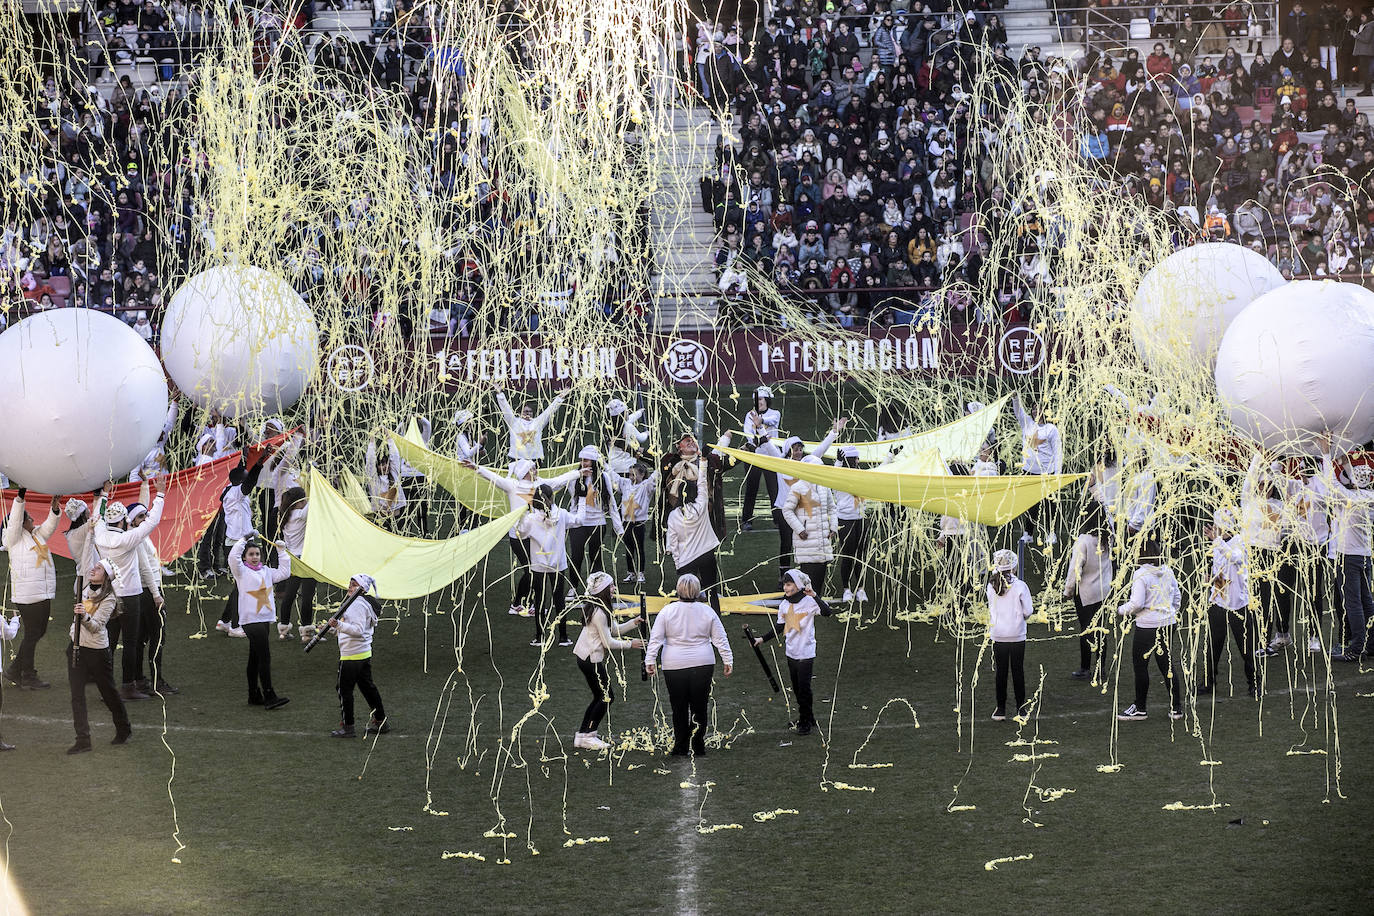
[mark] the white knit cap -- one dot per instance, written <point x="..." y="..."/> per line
<point x="590" y="453"/>
<point x="598" y="582"/>
<point x="365" y="582"/>
<point x="849" y="451"/>
<point x="135" y="510"/>
<point x="1361" y="475"/>
<point x="110" y="569"/>
<point x="800" y="579"/>
<point x="1224" y="519"/>
<point x="115" y="512"/>
<point x="763" y="391"/>
<point x="1004" y="561"/>
<point x="812" y="459"/>
<point x="615" y="407"/>
<point x="789" y="442"/>
<point x="463" y="416"/>
<point x="520" y="468"/>
<point x="74" y="508"/>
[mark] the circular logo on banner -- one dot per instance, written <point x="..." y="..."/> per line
<point x="1021" y="350"/>
<point x="685" y="361"/>
<point x="350" y="368"/>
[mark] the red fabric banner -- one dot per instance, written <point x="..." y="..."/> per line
<point x="191" y="501"/>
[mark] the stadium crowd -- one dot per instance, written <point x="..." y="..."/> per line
<point x="858" y="168"/>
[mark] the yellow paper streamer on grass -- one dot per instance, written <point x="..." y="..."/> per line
<point x="467" y="486"/>
<point x="987" y="500"/>
<point x="339" y="543"/>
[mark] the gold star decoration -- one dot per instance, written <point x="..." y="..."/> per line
<point x="805" y="501"/>
<point x="43" y="552"/>
<point x="593" y="497"/>
<point x="263" y="596"/>
<point x="525" y="437"/>
<point x="794" y="619"/>
<point x="90" y="605"/>
<point x="630" y="506"/>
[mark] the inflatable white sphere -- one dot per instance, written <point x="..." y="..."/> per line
<point x="240" y="340"/>
<point x="1185" y="302"/>
<point x="84" y="400"/>
<point x="1298" y="362"/>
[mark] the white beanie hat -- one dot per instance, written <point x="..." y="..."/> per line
<point x="763" y="391"/>
<point x="115" y="512"/>
<point x="135" y="510"/>
<point x="615" y="407"/>
<point x="812" y="459"/>
<point x="598" y="582"/>
<point x="849" y="451"/>
<point x="1004" y="561"/>
<point x="590" y="453"/>
<point x="789" y="442"/>
<point x="800" y="579"/>
<point x="463" y="416"/>
<point x="365" y="582"/>
<point x="74" y="508"/>
<point x="1224" y="519"/>
<point x="110" y="569"/>
<point x="520" y="468"/>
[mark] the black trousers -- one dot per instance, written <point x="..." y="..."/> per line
<point x="1316" y="578"/>
<point x="209" y="553"/>
<point x="816" y="572"/>
<point x="138" y="609"/>
<point x="800" y="671"/>
<point x="520" y="565"/>
<point x="751" y="491"/>
<point x="1243" y="629"/>
<point x="417" y="503"/>
<point x="1156" y="640"/>
<point x="584" y="548"/>
<point x="1086" y="614"/>
<point x="1287" y="590"/>
<point x="853" y="551"/>
<point x="689" y="693"/>
<point x="634" y="546"/>
<point x="34" y="619"/>
<point x="707" y="570"/>
<point x="599" y="682"/>
<point x="784" y="542"/>
<point x="357" y="672"/>
<point x="126" y="628"/>
<point x="1275" y="600"/>
<point x="230" y="614"/>
<point x="1009" y="658"/>
<point x="259" y="662"/>
<point x="296" y="587"/>
<point x="152" y="635"/>
<point x="549" y="599"/>
<point x="93" y="666"/>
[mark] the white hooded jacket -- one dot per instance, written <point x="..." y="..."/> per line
<point x="33" y="577"/>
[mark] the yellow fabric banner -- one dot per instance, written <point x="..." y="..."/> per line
<point x="467" y="487"/>
<point x="956" y="441"/>
<point x="339" y="543"/>
<point x="987" y="500"/>
<point x="628" y="605"/>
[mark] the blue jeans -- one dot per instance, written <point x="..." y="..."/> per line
<point x="1353" y="579"/>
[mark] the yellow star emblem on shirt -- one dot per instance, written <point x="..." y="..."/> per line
<point x="90" y="605"/>
<point x="43" y="552"/>
<point x="525" y="437"/>
<point x="630" y="506"/>
<point x="794" y="619"/>
<point x="263" y="596"/>
<point x="593" y="497"/>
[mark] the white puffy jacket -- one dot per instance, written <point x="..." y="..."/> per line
<point x="811" y="507"/>
<point x="33" y="577"/>
<point x="120" y="547"/>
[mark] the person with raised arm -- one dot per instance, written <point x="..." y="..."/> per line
<point x="526" y="429"/>
<point x="1043" y="453"/>
<point x="33" y="584"/>
<point x="120" y="542"/>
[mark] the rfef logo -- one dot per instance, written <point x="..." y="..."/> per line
<point x="1021" y="350"/>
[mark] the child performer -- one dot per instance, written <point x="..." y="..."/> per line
<point x="1087" y="582"/>
<point x="1009" y="605"/>
<point x="796" y="621"/>
<point x="354" y="629"/>
<point x="527" y="430"/>
<point x="546" y="527"/>
<point x="257" y="611"/>
<point x="1230" y="605"/>
<point x="89" y="657"/>
<point x="811" y="513"/>
<point x="1154" y="603"/>
<point x="599" y="636"/>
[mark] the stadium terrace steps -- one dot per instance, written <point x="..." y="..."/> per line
<point x="352" y="24"/>
<point x="682" y="231"/>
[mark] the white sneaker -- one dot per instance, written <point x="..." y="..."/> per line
<point x="1314" y="644"/>
<point x="629" y="577"/>
<point x="207" y="574"/>
<point x="283" y="631"/>
<point x="579" y="740"/>
<point x="1026" y="538"/>
<point x="222" y="626"/>
<point x="593" y="743"/>
<point x="1131" y="714"/>
<point x="167" y="572"/>
<point x="639" y="577"/>
<point x="237" y="633"/>
<point x="515" y="610"/>
<point x="1283" y="639"/>
<point x="861" y="595"/>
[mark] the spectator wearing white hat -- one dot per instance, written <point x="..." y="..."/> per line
<point x="354" y="628"/>
<point x="1229" y="608"/>
<point x="624" y="438"/>
<point x="119" y="541"/>
<point x="33" y="584"/>
<point x="1009" y="605"/>
<point x="89" y="658"/>
<point x="599" y="637"/>
<point x="760" y="427"/>
<point x="593" y="503"/>
<point x="853" y="532"/>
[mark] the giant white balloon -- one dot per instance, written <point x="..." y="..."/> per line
<point x="1185" y="302"/>
<point x="241" y="340"/>
<point x="84" y="400"/>
<point x="1300" y="361"/>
